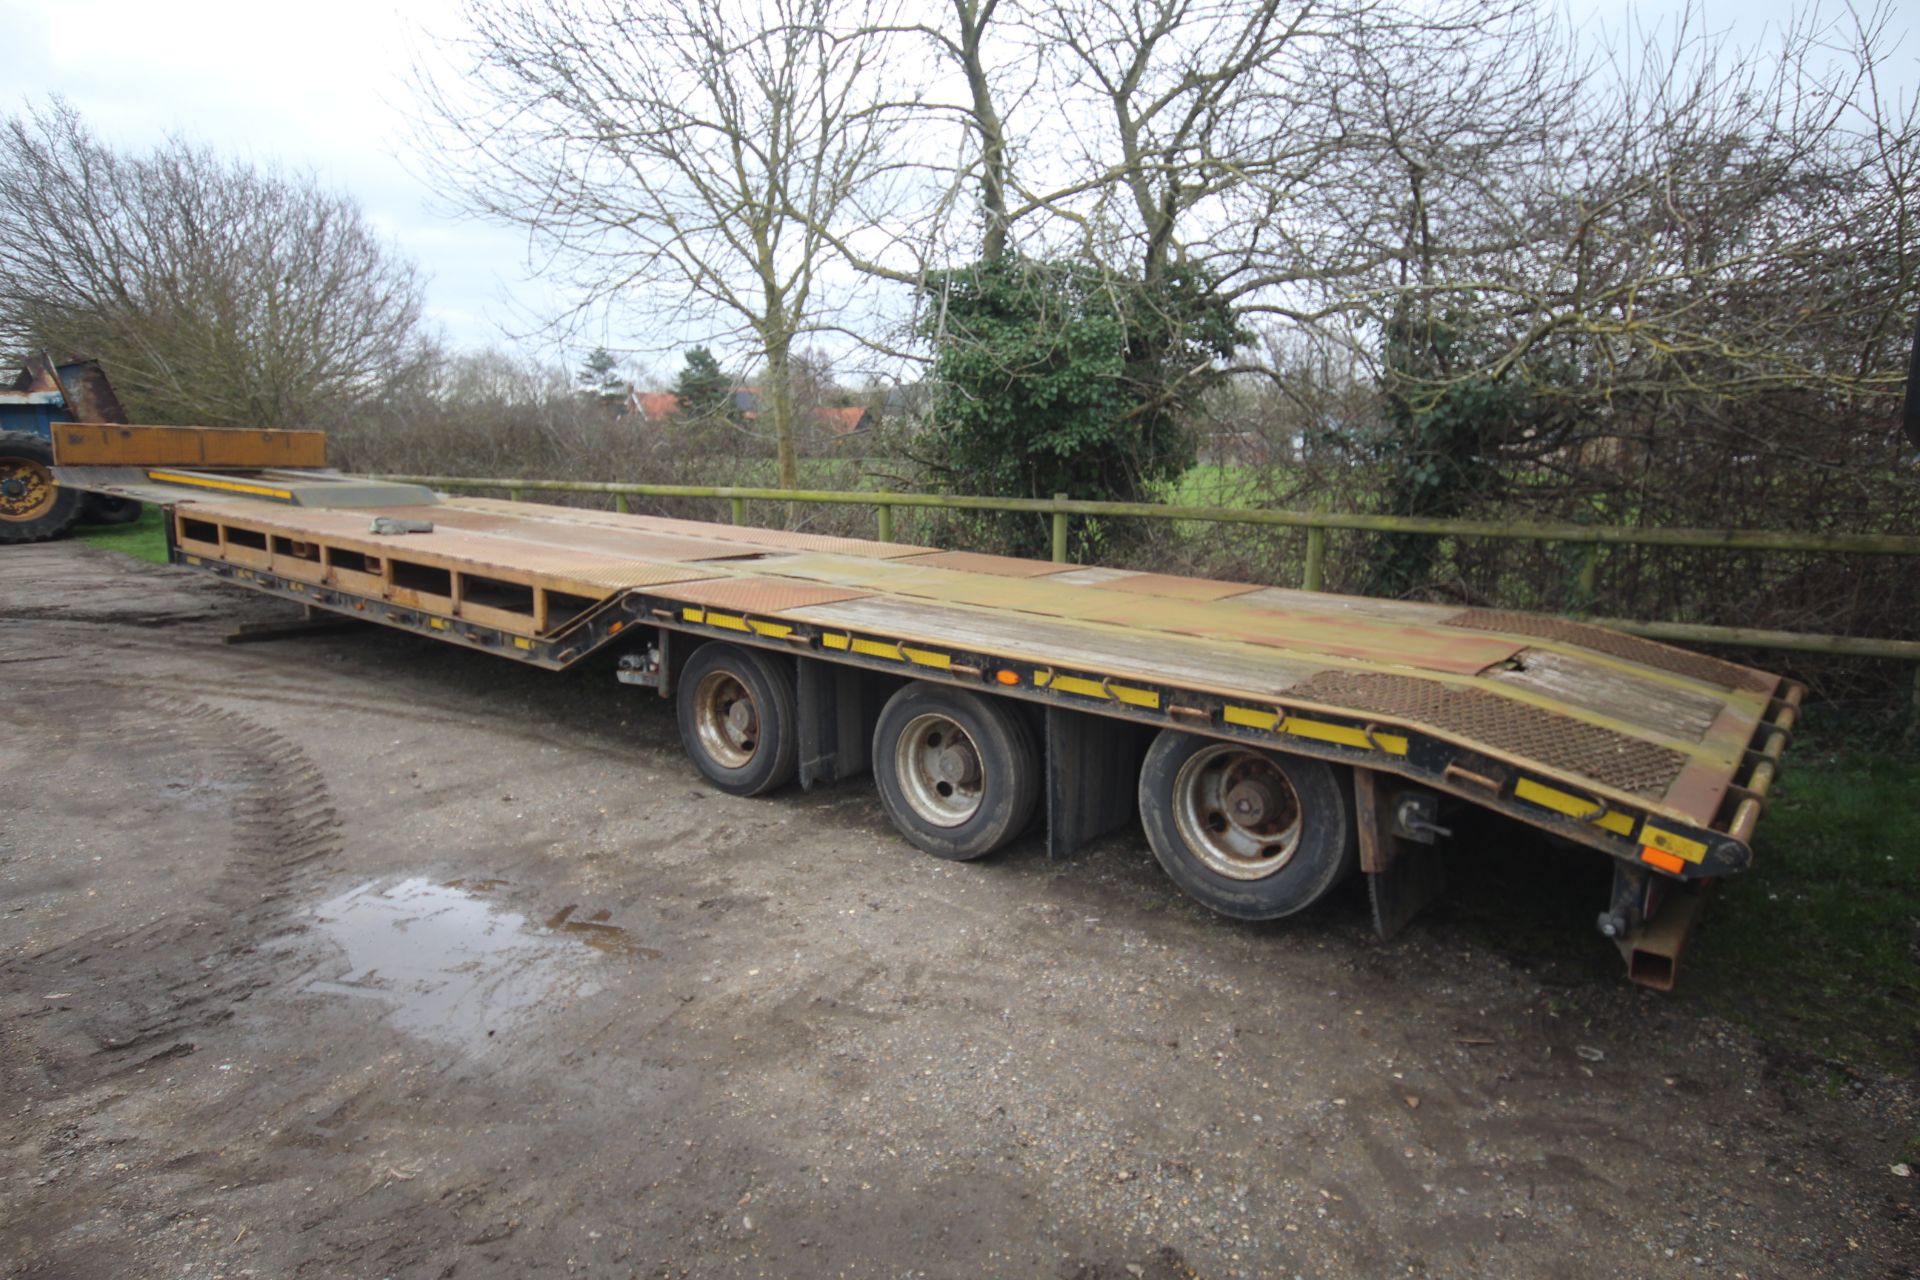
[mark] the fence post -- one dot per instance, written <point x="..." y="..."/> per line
<point x="1059" y="531"/>
<point x="739" y="506"/>
<point x="1315" y="579"/>
<point x="1585" y="587"/>
<point x="621" y="504"/>
<point x="885" y="511"/>
<point x="513" y="495"/>
<point x="1315" y="576"/>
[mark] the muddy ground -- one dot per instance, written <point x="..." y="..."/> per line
<point x="354" y="955"/>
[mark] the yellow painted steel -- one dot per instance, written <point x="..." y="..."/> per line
<point x="731" y="621"/>
<point x="1321" y="731"/>
<point x="1669" y="842"/>
<point x="224" y="486"/>
<point x="1098" y="689"/>
<point x="1575" y="807"/>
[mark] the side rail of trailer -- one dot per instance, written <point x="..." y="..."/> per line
<point x="1257" y="805"/>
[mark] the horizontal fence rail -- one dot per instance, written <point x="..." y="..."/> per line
<point x="1061" y="509"/>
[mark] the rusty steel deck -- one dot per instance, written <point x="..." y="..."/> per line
<point x="1651" y="752"/>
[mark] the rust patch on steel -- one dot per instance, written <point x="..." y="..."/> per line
<point x="757" y="595"/>
<point x="1616" y="644"/>
<point x="998" y="566"/>
<point x="1171" y="586"/>
<point x="767" y="539"/>
<point x="79" y="444"/>
<point x="1512" y="728"/>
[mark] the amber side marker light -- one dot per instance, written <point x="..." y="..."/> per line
<point x="1007" y="677"/>
<point x="1662" y="859"/>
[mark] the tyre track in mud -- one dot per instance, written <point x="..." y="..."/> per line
<point x="284" y="828"/>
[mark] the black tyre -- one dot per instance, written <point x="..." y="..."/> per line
<point x="738" y="718"/>
<point x="958" y="772"/>
<point x="32" y="507"/>
<point x="105" y="508"/>
<point x="1252" y="834"/>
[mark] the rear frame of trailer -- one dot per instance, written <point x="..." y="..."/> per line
<point x="1268" y="741"/>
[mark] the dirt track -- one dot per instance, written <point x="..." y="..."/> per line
<point x="354" y="955"/>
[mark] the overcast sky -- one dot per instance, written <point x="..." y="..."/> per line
<point x="324" y="87"/>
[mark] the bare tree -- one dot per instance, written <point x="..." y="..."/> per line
<point x="691" y="162"/>
<point x="210" y="290"/>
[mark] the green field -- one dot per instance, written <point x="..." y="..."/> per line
<point x="1818" y="947"/>
<point x="143" y="539"/>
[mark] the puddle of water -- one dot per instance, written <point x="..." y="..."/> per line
<point x="452" y="967"/>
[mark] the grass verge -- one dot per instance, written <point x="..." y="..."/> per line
<point x="143" y="539"/>
<point x="1818" y="946"/>
<point x="1815" y="949"/>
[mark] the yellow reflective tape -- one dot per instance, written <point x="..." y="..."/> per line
<point x="1098" y="689"/>
<point x="694" y="615"/>
<point x="521" y="642"/>
<point x="226" y="486"/>
<point x="1074" y="684"/>
<point x="192" y="559"/>
<point x="1573" y="806"/>
<point x="438" y="624"/>
<point x="1321" y="731"/>
<point x="774" y="630"/>
<point x="835" y="642"/>
<point x="1250" y="717"/>
<point x="732" y="622"/>
<point x="877" y="649"/>
<point x="1677" y="845"/>
<point x="927" y="658"/>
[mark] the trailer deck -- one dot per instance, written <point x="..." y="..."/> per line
<point x="1658" y="756"/>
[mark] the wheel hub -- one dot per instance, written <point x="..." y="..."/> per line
<point x="27" y="490"/>
<point x="726" y="719"/>
<point x="1237" y="812"/>
<point x="1250" y="800"/>
<point x="939" y="770"/>
<point x="958" y="765"/>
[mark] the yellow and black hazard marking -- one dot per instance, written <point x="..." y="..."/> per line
<point x="1502" y="785"/>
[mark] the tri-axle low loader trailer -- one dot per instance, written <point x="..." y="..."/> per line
<point x="1270" y="742"/>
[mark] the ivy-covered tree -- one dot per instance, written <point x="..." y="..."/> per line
<point x="1055" y="376"/>
<point x="705" y="393"/>
<point x="1442" y="432"/>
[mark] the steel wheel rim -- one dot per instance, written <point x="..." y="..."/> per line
<point x="727" y="719"/>
<point x="938" y="765"/>
<point x="27" y="491"/>
<point x="1237" y="812"/>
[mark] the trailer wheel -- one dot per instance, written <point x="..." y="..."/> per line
<point x="738" y="718"/>
<point x="958" y="772"/>
<point x="1251" y="834"/>
<point x="32" y="507"/>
